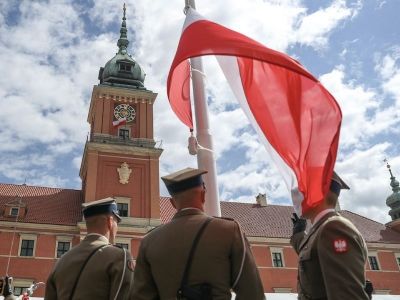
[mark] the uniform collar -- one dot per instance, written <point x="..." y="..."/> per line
<point x="188" y="211"/>
<point x="97" y="236"/>
<point x="322" y="214"/>
<point x="325" y="214"/>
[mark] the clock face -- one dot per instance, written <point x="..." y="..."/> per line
<point x="124" y="111"/>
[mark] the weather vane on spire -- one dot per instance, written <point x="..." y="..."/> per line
<point x="388" y="166"/>
<point x="124" y="12"/>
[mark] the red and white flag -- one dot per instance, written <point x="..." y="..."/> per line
<point x="119" y="122"/>
<point x="296" y="118"/>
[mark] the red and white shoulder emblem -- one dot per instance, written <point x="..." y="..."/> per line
<point x="340" y="245"/>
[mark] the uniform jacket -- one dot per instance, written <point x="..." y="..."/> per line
<point x="101" y="277"/>
<point x="164" y="251"/>
<point x="332" y="259"/>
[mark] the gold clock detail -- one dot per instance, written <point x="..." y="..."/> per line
<point x="124" y="111"/>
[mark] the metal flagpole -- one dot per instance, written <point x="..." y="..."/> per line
<point x="205" y="158"/>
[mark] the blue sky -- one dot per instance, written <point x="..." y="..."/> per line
<point x="52" y="50"/>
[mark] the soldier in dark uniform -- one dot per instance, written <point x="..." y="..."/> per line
<point x="332" y="255"/>
<point x="221" y="261"/>
<point x="94" y="269"/>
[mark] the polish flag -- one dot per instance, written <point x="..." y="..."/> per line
<point x="296" y="118"/>
<point x="119" y="122"/>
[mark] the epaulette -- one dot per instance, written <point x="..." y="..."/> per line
<point x="118" y="246"/>
<point x="225" y="218"/>
<point x="158" y="226"/>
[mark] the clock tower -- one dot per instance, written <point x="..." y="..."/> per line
<point x="120" y="158"/>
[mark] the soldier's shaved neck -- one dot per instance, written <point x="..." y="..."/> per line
<point x="193" y="197"/>
<point x="98" y="224"/>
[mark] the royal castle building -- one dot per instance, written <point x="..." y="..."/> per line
<point x="121" y="160"/>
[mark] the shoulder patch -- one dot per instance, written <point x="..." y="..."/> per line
<point x="340" y="245"/>
<point x="156" y="227"/>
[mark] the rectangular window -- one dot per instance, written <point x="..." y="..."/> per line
<point x="18" y="290"/>
<point x="123" y="209"/>
<point x="398" y="261"/>
<point x="277" y="259"/>
<point x="27" y="247"/>
<point x="373" y="262"/>
<point x="122" y="245"/>
<point x="62" y="247"/>
<point x="125" y="67"/>
<point x="124" y="134"/>
<point x="14" y="211"/>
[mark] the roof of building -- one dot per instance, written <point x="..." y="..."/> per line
<point x="63" y="207"/>
<point x="44" y="205"/>
<point x="274" y="221"/>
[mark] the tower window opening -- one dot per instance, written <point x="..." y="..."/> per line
<point x="123" y="133"/>
<point x="123" y="209"/>
<point x="125" y="67"/>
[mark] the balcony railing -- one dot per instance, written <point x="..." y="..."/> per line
<point x="110" y="139"/>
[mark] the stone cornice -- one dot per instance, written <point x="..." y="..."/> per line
<point x="130" y="226"/>
<point x="120" y="94"/>
<point x="25" y="227"/>
<point x="378" y="246"/>
<point x="270" y="241"/>
<point x="123" y="149"/>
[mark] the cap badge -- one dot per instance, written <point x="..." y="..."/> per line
<point x="340" y="245"/>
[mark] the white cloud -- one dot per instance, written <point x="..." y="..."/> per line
<point x="315" y="28"/>
<point x="389" y="69"/>
<point x="369" y="180"/>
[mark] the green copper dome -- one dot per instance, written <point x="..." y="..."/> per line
<point x="122" y="69"/>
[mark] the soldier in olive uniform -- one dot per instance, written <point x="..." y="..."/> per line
<point x="222" y="259"/>
<point x="332" y="255"/>
<point x="94" y="269"/>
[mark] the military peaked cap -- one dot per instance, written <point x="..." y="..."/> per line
<point x="337" y="184"/>
<point x="183" y="180"/>
<point x="101" y="207"/>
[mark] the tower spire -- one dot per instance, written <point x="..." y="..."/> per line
<point x="393" y="201"/>
<point x="123" y="41"/>
<point x="393" y="182"/>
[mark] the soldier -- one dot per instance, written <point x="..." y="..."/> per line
<point x="219" y="260"/>
<point x="332" y="255"/>
<point x="94" y="269"/>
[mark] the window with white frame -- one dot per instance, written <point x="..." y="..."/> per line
<point x="123" y="209"/>
<point x="62" y="248"/>
<point x="397" y="255"/>
<point x="20" y="286"/>
<point x="277" y="257"/>
<point x="123" y="205"/>
<point x="373" y="261"/>
<point x="14" y="211"/>
<point x="27" y="245"/>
